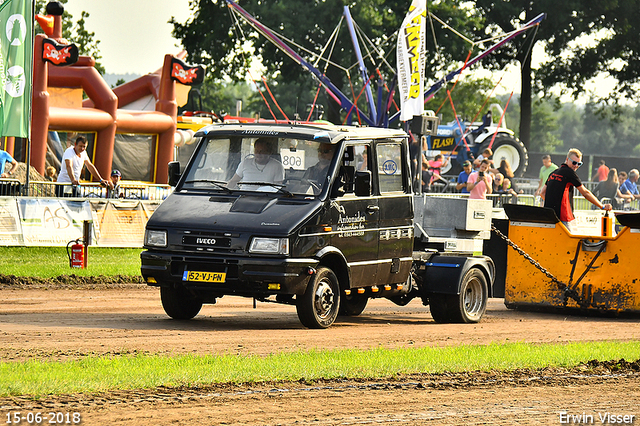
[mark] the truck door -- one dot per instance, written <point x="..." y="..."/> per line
<point x="356" y="222"/>
<point x="396" y="214"/>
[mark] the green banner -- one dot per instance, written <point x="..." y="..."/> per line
<point x="16" y="60"/>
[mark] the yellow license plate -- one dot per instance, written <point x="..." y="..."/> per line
<point x="207" y="277"/>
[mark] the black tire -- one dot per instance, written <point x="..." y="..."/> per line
<point x="179" y="304"/>
<point x="467" y="307"/>
<point x="439" y="307"/>
<point x="471" y="303"/>
<point x="318" y="306"/>
<point x="510" y="148"/>
<point x="353" y="304"/>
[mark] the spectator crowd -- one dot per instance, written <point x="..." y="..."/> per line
<point x="482" y="176"/>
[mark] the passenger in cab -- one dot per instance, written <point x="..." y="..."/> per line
<point x="318" y="172"/>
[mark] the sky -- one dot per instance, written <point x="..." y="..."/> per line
<point x="134" y="34"/>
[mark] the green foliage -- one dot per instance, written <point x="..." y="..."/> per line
<point x="612" y="47"/>
<point x="567" y="34"/>
<point x="469" y="97"/>
<point x="119" y="82"/>
<point x="610" y="130"/>
<point x="221" y="98"/>
<point x="597" y="129"/>
<point x="85" y="40"/>
<point x="211" y="37"/>
<point x="38" y="378"/>
<point x="48" y="262"/>
<point x="544" y="125"/>
<point x="75" y="33"/>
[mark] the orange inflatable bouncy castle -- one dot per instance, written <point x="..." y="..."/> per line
<point x="100" y="113"/>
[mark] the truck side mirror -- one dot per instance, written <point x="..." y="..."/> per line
<point x="344" y="182"/>
<point x="348" y="174"/>
<point x="363" y="183"/>
<point x="174" y="173"/>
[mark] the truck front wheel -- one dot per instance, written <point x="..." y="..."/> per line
<point x="318" y="306"/>
<point x="467" y="307"/>
<point x="179" y="304"/>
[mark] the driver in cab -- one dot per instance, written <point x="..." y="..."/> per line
<point x="260" y="167"/>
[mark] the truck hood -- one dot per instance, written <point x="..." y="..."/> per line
<point x="254" y="213"/>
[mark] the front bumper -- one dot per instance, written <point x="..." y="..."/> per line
<point x="245" y="276"/>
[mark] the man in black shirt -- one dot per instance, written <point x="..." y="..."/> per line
<point x="558" y="190"/>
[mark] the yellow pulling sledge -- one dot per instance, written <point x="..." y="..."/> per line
<point x="556" y="269"/>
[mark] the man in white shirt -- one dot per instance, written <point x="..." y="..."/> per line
<point x="73" y="160"/>
<point x="259" y="168"/>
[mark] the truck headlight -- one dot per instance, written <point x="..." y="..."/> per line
<point x="155" y="238"/>
<point x="269" y="245"/>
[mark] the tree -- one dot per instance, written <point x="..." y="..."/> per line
<point x="469" y="96"/>
<point x="571" y="64"/>
<point x="221" y="98"/>
<point x="210" y="38"/>
<point x="544" y="125"/>
<point x="609" y="130"/>
<point x="75" y="33"/>
<point x="612" y="48"/>
<point x="505" y="17"/>
<point x="84" y="39"/>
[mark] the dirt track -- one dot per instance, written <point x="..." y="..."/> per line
<point x="69" y="323"/>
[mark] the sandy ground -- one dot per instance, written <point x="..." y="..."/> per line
<point x="48" y="323"/>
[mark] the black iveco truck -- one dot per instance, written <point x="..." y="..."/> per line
<point x="316" y="216"/>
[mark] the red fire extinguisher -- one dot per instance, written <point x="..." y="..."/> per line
<point x="76" y="257"/>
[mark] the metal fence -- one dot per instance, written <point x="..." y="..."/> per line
<point x="130" y="191"/>
<point x="527" y="196"/>
<point x="146" y="191"/>
<point x="10" y="187"/>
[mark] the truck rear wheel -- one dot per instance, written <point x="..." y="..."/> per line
<point x="178" y="303"/>
<point x="467" y="307"/>
<point x="353" y="304"/>
<point x="472" y="300"/>
<point x="318" y="306"/>
<point x="439" y="307"/>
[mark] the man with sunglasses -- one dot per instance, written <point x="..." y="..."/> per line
<point x="318" y="172"/>
<point x="558" y="190"/>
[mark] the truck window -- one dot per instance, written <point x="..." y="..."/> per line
<point x="362" y="157"/>
<point x="262" y="164"/>
<point x="390" y="167"/>
<point x="355" y="159"/>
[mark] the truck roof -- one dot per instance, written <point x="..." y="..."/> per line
<point x="328" y="133"/>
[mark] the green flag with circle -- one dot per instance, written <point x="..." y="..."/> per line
<point x="16" y="60"/>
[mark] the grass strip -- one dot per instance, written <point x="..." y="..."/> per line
<point x="39" y="378"/>
<point x="49" y="262"/>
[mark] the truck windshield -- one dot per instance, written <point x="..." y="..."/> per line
<point x="265" y="164"/>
